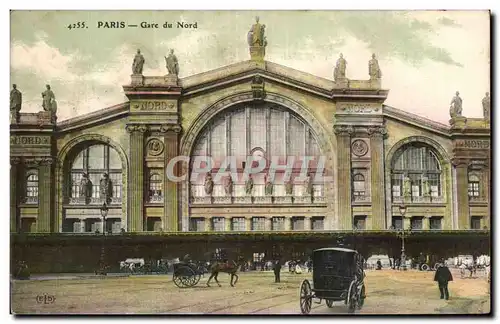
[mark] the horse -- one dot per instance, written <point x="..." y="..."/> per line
<point x="230" y="267"/>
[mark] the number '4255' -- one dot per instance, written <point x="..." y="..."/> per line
<point x="80" y="24"/>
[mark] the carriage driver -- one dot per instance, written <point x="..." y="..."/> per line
<point x="186" y="259"/>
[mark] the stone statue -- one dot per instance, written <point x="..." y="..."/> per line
<point x="256" y="35"/>
<point x="486" y="106"/>
<point x="16" y="99"/>
<point x="374" y="68"/>
<point x="172" y="63"/>
<point x="105" y="188"/>
<point x="138" y="63"/>
<point x="456" y="106"/>
<point x="289" y="188"/>
<point x="308" y="186"/>
<point x="209" y="184"/>
<point x="249" y="185"/>
<point x="228" y="187"/>
<point x="407" y="186"/>
<point x="85" y="187"/>
<point x="426" y="187"/>
<point x="268" y="188"/>
<point x="340" y="67"/>
<point x="49" y="100"/>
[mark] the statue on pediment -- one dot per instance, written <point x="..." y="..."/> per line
<point x="138" y="63"/>
<point x="105" y="188"/>
<point x="486" y="106"/>
<point x="340" y="68"/>
<point x="228" y="187"/>
<point x="289" y="188"/>
<point x="308" y="186"/>
<point x="172" y="63"/>
<point x="249" y="185"/>
<point x="374" y="68"/>
<point x="406" y="186"/>
<point x="268" y="188"/>
<point x="16" y="99"/>
<point x="256" y="34"/>
<point x="49" y="100"/>
<point x="456" y="106"/>
<point x="85" y="187"/>
<point x="209" y="184"/>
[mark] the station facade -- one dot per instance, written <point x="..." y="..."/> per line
<point x="374" y="159"/>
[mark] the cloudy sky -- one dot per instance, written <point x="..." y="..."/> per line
<point x="425" y="56"/>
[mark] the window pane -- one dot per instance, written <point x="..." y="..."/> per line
<point x="278" y="223"/>
<point x="96" y="157"/>
<point x="277" y="135"/>
<point x="114" y="159"/>
<point x="297" y="139"/>
<point x="258" y="128"/>
<point x="78" y="162"/>
<point x="298" y="223"/>
<point x="218" y="138"/>
<point x="318" y="224"/>
<point x="238" y="133"/>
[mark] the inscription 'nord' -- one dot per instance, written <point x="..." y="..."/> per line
<point x="155" y="105"/>
<point x="29" y="140"/>
<point x="474" y="144"/>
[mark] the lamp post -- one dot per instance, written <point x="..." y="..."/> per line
<point x="102" y="265"/>
<point x="402" y="234"/>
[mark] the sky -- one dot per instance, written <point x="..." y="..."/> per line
<point x="425" y="56"/>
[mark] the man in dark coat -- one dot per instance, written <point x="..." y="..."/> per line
<point x="277" y="270"/>
<point x="443" y="276"/>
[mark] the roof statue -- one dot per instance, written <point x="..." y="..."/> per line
<point x="456" y="106"/>
<point x="257" y="40"/>
<point x="138" y="63"/>
<point x="486" y="106"/>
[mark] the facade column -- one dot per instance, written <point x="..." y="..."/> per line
<point x="171" y="195"/>
<point x="15" y="217"/>
<point x="248" y="223"/>
<point x="227" y="223"/>
<point x="377" y="177"/>
<point x="307" y="223"/>
<point x="288" y="223"/>
<point x="462" y="167"/>
<point x="208" y="224"/>
<point x="136" y="183"/>
<point x="343" y="134"/>
<point x="45" y="195"/>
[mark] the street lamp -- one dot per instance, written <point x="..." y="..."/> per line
<point x="402" y="211"/>
<point x="102" y="265"/>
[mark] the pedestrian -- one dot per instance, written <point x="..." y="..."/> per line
<point x="277" y="270"/>
<point x="379" y="264"/>
<point x="443" y="276"/>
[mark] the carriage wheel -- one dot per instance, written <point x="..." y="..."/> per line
<point x="329" y="303"/>
<point x="305" y="297"/>
<point x="196" y="278"/>
<point x="424" y="267"/>
<point x="352" y="298"/>
<point x="184" y="277"/>
<point x="361" y="298"/>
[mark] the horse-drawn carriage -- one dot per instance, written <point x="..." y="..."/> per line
<point x="338" y="275"/>
<point x="187" y="275"/>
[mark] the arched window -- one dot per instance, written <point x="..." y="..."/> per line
<point x="420" y="164"/>
<point x="31" y="193"/>
<point x="473" y="185"/>
<point x="358" y="184"/>
<point x="155" y="188"/>
<point x="88" y="168"/>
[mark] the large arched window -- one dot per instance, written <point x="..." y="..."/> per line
<point x="90" y="165"/>
<point x="269" y="130"/>
<point x="419" y="163"/>
<point x="155" y="188"/>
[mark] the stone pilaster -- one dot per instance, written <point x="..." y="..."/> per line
<point x="136" y="190"/>
<point x="377" y="177"/>
<point x="288" y="223"/>
<point x="208" y="224"/>
<point x="45" y="195"/>
<point x="248" y="223"/>
<point x="227" y="223"/>
<point x="462" y="180"/>
<point x="15" y="223"/>
<point x="343" y="134"/>
<point x="307" y="223"/>
<point x="171" y="197"/>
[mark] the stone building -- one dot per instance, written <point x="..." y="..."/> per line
<point x="378" y="158"/>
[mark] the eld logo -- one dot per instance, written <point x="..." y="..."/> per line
<point x="45" y="299"/>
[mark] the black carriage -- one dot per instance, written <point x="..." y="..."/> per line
<point x="338" y="275"/>
<point x="187" y="275"/>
